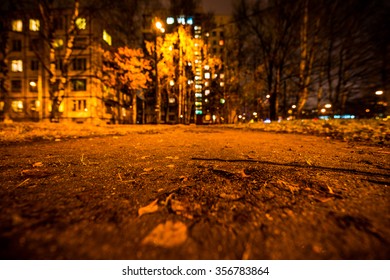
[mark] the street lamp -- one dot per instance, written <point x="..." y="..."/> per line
<point x="379" y="92"/>
<point x="159" y="29"/>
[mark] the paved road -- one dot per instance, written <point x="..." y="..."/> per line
<point x="194" y="193"/>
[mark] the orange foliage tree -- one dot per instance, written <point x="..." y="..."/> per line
<point x="127" y="70"/>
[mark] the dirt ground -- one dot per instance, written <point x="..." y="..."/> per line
<point x="194" y="193"/>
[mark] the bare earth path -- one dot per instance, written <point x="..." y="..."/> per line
<point x="194" y="193"/>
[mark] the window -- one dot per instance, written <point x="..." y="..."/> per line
<point x="33" y="86"/>
<point x="17" y="66"/>
<point x="34" y="24"/>
<point x="16" y="45"/>
<point x="79" y="64"/>
<point x="17" y="106"/>
<point x="80" y="105"/>
<point x="16" y="85"/>
<point x="34" y="105"/>
<point x="79" y="84"/>
<point x="17" y="25"/>
<point x="80" y="43"/>
<point x="34" y="66"/>
<point x="58" y="23"/>
<point x="1" y="106"/>
<point x="81" y="23"/>
<point x="107" y="37"/>
<point x="59" y="64"/>
<point x="34" y="44"/>
<point x="58" y="43"/>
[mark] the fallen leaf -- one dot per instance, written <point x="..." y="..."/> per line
<point x="38" y="164"/>
<point x="171" y="166"/>
<point x="151" y="208"/>
<point x="230" y="196"/>
<point x="330" y="190"/>
<point x="148" y="169"/>
<point x="35" y="173"/>
<point x="168" y="235"/>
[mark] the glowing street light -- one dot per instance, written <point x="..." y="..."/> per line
<point x="328" y="106"/>
<point x="379" y="92"/>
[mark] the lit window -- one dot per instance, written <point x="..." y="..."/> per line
<point x="181" y="20"/>
<point x="17" y="25"/>
<point x="17" y="66"/>
<point x="207" y="92"/>
<point x="58" y="43"/>
<point x="81" y="23"/>
<point x="207" y="75"/>
<point x="221" y="42"/>
<point x="33" y="86"/>
<point x="1" y="105"/>
<point x="34" y="24"/>
<point x="190" y="21"/>
<point x="34" y="105"/>
<point x="107" y="37"/>
<point x="79" y="84"/>
<point x="170" y="20"/>
<point x="17" y="106"/>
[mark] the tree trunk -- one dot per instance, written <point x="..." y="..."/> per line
<point x="134" y="109"/>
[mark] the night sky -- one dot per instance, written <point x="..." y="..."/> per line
<point x="218" y="6"/>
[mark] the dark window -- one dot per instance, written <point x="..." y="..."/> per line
<point x="59" y="64"/>
<point x="79" y="105"/>
<point x="79" y="64"/>
<point x="34" y="44"/>
<point x="58" y="23"/>
<point x="79" y="84"/>
<point x="16" y="85"/>
<point x="34" y="66"/>
<point x="80" y="43"/>
<point x="16" y="45"/>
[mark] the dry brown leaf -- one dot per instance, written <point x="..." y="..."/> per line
<point x="168" y="235"/>
<point x="150" y="208"/>
<point x="171" y="166"/>
<point x="38" y="164"/>
<point x="148" y="169"/>
<point x="233" y="196"/>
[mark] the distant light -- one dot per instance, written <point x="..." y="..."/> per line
<point x="222" y="101"/>
<point x="268" y="96"/>
<point x="206" y="67"/>
<point x="379" y="92"/>
<point x="367" y="110"/>
<point x="170" y="20"/>
<point x="207" y="92"/>
<point x="255" y="113"/>
<point x="171" y="83"/>
<point x="222" y="84"/>
<point x="33" y="84"/>
<point x="328" y="106"/>
<point x="323" y="110"/>
<point x="207" y="75"/>
<point x="190" y="21"/>
<point x="240" y="117"/>
<point x="267" y="121"/>
<point x="294" y="106"/>
<point x="214" y="117"/>
<point x="172" y="100"/>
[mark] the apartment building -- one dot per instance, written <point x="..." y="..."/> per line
<point x="28" y="58"/>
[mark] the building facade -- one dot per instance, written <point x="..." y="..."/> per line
<point x="28" y="54"/>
